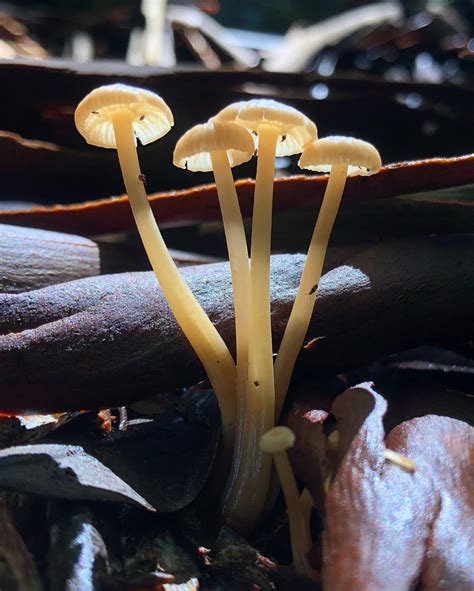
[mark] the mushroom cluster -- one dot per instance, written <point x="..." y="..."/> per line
<point x="113" y="117"/>
<point x="250" y="390"/>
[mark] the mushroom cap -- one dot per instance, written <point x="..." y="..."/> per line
<point x="193" y="150"/>
<point x="277" y="440"/>
<point x="151" y="116"/>
<point x="361" y="157"/>
<point x="295" y="129"/>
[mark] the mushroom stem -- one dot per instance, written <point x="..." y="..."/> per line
<point x="297" y="326"/>
<point x="246" y="490"/>
<point x="261" y="350"/>
<point x="199" y="330"/>
<point x="239" y="266"/>
<point x="276" y="442"/>
<point x="299" y="526"/>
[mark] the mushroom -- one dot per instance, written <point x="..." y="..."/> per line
<point x="280" y="130"/>
<point x="217" y="146"/>
<point x="342" y="156"/>
<point x="111" y="117"/>
<point x="276" y="442"/>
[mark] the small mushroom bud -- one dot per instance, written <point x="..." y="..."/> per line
<point x="280" y="130"/>
<point x="276" y="442"/>
<point x="339" y="155"/>
<point x="112" y="117"/>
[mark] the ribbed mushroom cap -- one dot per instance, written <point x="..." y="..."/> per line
<point x="277" y="440"/>
<point x="361" y="157"/>
<point x="151" y="116"/>
<point x="295" y="129"/>
<point x="193" y="150"/>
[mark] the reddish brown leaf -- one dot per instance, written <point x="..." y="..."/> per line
<point x="308" y="456"/>
<point x="443" y="450"/>
<point x="200" y="204"/>
<point x="387" y="528"/>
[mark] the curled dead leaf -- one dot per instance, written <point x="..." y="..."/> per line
<point x="200" y="204"/>
<point x="386" y="527"/>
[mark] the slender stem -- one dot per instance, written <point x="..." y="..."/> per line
<point x="247" y="487"/>
<point x="297" y="327"/>
<point x="299" y="528"/>
<point x="199" y="330"/>
<point x="239" y="266"/>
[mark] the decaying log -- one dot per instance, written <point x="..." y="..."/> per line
<point x="112" y="339"/>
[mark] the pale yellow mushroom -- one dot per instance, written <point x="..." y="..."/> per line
<point x="113" y="117"/>
<point x="340" y="155"/>
<point x="218" y="146"/>
<point x="276" y="442"/>
<point x="280" y="130"/>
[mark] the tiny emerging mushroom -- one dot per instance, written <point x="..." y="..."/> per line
<point x="112" y="117"/>
<point x="340" y="155"/>
<point x="282" y="131"/>
<point x="218" y="146"/>
<point x="275" y="442"/>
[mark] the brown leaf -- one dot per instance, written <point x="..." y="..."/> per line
<point x="387" y="528"/>
<point x="200" y="204"/>
<point x="309" y="454"/>
<point x="443" y="449"/>
<point x="424" y="380"/>
<point x="75" y="341"/>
